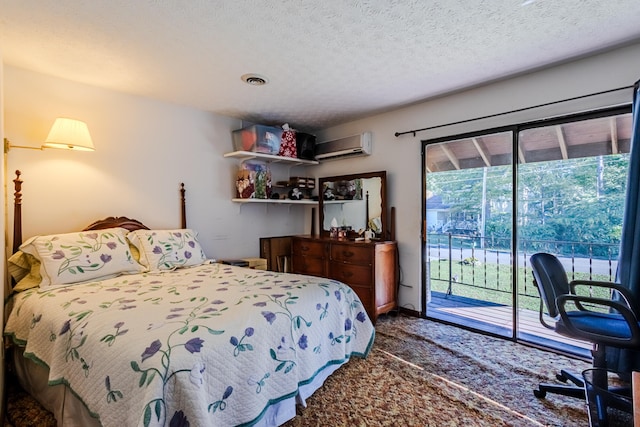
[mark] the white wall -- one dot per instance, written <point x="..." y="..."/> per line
<point x="401" y="156"/>
<point x="2" y="242"/>
<point x="144" y="150"/>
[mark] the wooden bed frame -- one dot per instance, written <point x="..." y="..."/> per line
<point x="109" y="222"/>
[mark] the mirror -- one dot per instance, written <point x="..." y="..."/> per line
<point x="353" y="203"/>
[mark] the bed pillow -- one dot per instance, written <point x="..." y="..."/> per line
<point x="82" y="256"/>
<point x="25" y="270"/>
<point x="167" y="249"/>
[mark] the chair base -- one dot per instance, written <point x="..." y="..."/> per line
<point x="565" y="376"/>
<point x="598" y="354"/>
<point x="565" y="390"/>
<point x="574" y="390"/>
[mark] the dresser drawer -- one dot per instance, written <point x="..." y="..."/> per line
<point x="308" y="248"/>
<point x="351" y="274"/>
<point x="369" y="268"/>
<point x="352" y="254"/>
<point x="308" y="265"/>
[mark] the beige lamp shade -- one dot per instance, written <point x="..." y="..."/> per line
<point x="69" y="134"/>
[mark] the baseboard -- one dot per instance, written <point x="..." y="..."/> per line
<point x="409" y="312"/>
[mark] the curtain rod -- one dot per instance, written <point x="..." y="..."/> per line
<point x="516" y="111"/>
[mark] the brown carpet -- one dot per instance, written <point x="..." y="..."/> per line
<point x="23" y="411"/>
<point x="423" y="373"/>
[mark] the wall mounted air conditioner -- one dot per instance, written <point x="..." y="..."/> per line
<point x="351" y="146"/>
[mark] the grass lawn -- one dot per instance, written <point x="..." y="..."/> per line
<point x="492" y="282"/>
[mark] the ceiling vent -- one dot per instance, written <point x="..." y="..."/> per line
<point x="351" y="146"/>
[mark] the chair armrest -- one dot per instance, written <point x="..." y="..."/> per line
<point x="623" y="291"/>
<point x="626" y="312"/>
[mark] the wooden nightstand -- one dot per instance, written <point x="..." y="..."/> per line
<point x="236" y="262"/>
<point x="254" y="263"/>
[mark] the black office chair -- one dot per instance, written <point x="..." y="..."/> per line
<point x="574" y="317"/>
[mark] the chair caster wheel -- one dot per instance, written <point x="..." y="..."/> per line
<point x="540" y="394"/>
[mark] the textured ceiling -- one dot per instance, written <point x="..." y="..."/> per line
<point x="327" y="62"/>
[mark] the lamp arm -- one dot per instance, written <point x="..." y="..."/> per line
<point x="8" y="146"/>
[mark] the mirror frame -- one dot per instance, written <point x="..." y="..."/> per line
<point x="383" y="200"/>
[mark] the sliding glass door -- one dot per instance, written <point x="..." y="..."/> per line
<point x="492" y="199"/>
<point x="468" y="231"/>
<point x="571" y="190"/>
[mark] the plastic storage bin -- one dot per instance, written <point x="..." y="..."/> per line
<point x="258" y="138"/>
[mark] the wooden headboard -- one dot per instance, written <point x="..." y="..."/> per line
<point x="116" y="221"/>
<point x="109" y="222"/>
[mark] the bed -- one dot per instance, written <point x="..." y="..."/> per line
<point x="131" y="326"/>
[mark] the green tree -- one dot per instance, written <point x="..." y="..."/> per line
<point x="574" y="200"/>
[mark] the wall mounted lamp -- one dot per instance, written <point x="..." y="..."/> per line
<point x="67" y="134"/>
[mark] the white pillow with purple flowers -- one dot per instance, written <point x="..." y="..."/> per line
<point x="167" y="249"/>
<point x="81" y="256"/>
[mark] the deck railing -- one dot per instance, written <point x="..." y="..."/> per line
<point x="486" y="263"/>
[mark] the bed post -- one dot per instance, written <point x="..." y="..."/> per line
<point x="17" y="212"/>
<point x="183" y="210"/>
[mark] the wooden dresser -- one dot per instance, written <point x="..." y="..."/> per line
<point x="369" y="268"/>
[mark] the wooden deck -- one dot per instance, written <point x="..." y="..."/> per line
<point x="498" y="319"/>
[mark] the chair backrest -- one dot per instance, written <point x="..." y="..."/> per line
<point x="551" y="279"/>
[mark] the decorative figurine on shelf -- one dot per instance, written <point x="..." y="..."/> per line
<point x="328" y="194"/>
<point x="296" y="194"/>
<point x="244" y="186"/>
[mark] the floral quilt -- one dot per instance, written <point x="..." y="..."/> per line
<point x="206" y="345"/>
